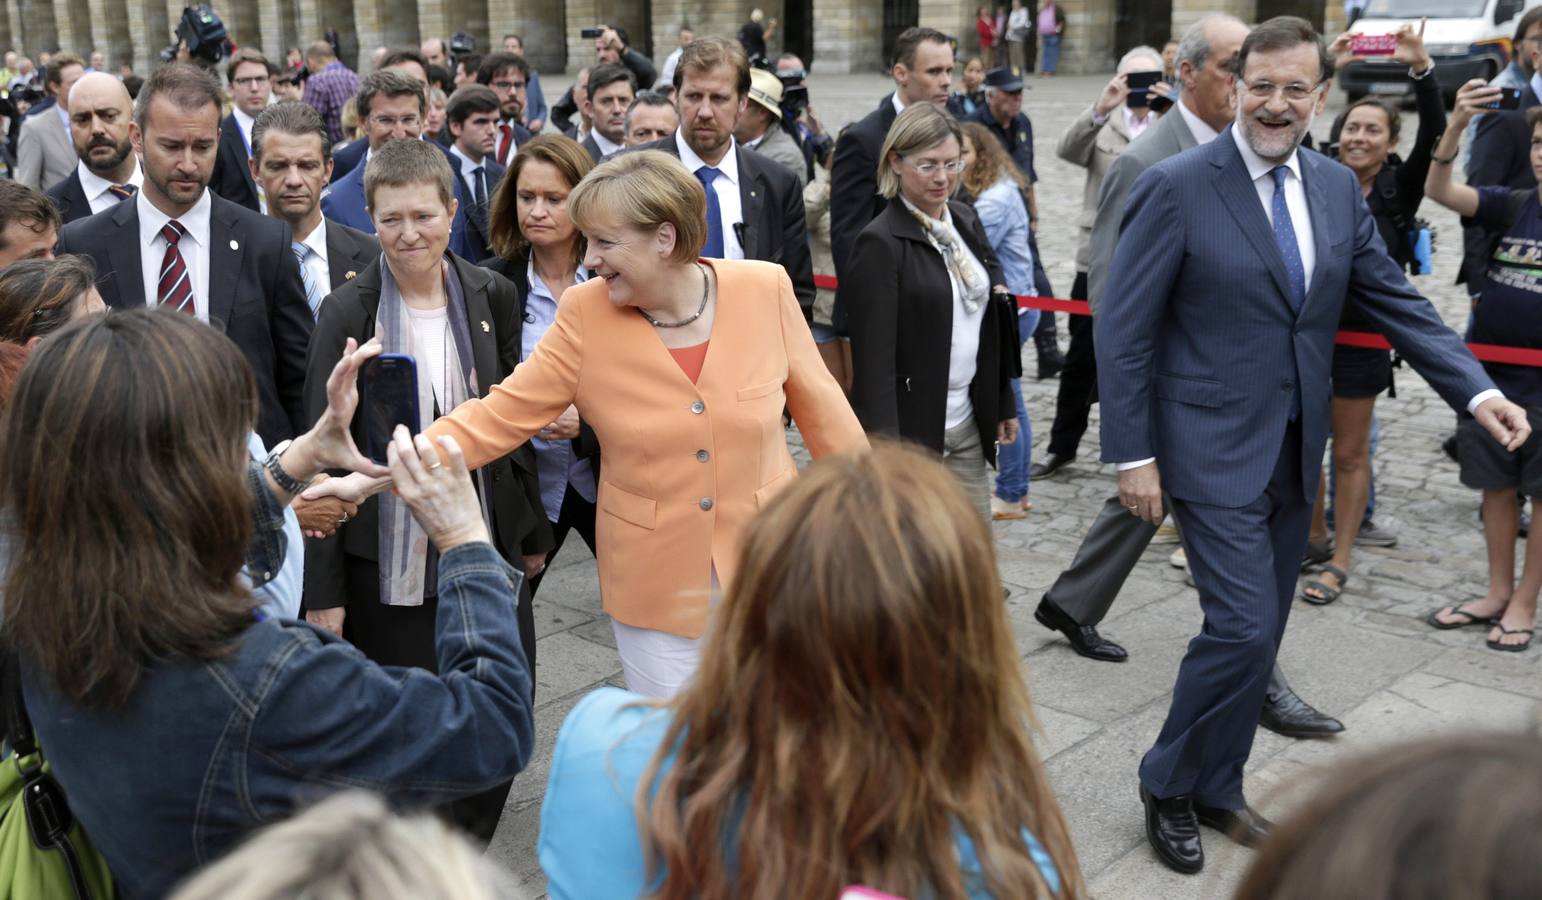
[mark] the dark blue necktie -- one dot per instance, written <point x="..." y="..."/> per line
<point x="714" y="246"/>
<point x="1285" y="237"/>
<point x="1295" y="270"/>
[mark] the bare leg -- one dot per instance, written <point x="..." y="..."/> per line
<point x="1318" y="532"/>
<point x="1352" y="462"/>
<point x="1501" y="522"/>
<point x="1522" y="609"/>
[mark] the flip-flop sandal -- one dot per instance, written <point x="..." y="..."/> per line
<point x="1316" y="554"/>
<point x="1327" y="593"/>
<point x="1434" y="620"/>
<point x="1510" y="648"/>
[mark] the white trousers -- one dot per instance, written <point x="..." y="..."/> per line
<point x="656" y="663"/>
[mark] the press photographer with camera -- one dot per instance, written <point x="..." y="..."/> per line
<point x="761" y="128"/>
<point x="798" y="112"/>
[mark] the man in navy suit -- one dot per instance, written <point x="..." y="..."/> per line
<point x="472" y="118"/>
<point x="392" y="106"/>
<point x="1213" y="366"/>
<point x="250" y="75"/>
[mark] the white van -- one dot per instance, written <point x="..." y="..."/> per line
<point x="1466" y="38"/>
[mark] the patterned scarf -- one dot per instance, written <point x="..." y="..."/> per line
<point x="409" y="566"/>
<point x="968" y="274"/>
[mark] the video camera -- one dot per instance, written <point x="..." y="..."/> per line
<point x="461" y="44"/>
<point x="202" y="30"/>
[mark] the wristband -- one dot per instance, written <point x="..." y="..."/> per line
<point x="1444" y="160"/>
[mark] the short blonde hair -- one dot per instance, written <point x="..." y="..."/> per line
<point x="919" y="128"/>
<point x="352" y="847"/>
<point x="643" y="190"/>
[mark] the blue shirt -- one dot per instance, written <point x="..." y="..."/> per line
<point x="556" y="466"/>
<point x="1004" y="216"/>
<point x="589" y="844"/>
<point x="281" y="596"/>
<point x="535" y="100"/>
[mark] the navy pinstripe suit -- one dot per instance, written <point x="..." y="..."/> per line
<point x="1200" y="351"/>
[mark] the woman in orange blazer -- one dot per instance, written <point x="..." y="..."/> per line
<point x="683" y="367"/>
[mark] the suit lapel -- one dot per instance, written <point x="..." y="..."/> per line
<point x="474" y="283"/>
<point x="1319" y="209"/>
<point x="128" y="284"/>
<point x="752" y="198"/>
<point x="227" y="247"/>
<point x="1241" y="199"/>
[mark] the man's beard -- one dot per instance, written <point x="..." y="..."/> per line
<point x="109" y="165"/>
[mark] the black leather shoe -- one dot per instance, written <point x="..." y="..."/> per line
<point x="1084" y="638"/>
<point x="1173" y="830"/>
<point x="1287" y="714"/>
<point x="1051" y="463"/>
<point x="1245" y="825"/>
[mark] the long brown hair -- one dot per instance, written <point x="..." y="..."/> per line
<point x="1455" y="818"/>
<point x="990" y="161"/>
<point x="560" y="152"/>
<point x="37" y="296"/>
<point x="859" y="706"/>
<point x="122" y="453"/>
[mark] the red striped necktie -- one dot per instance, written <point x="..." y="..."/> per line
<point x="175" y="288"/>
<point x="503" y="145"/>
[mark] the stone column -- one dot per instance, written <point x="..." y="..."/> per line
<point x="148" y="32"/>
<point x="42" y="34"/>
<point x="1088" y="45"/>
<point x="110" y="32"/>
<point x="72" y="26"/>
<point x="383" y="23"/>
<point x="1187" y="12"/>
<point x="542" y="26"/>
<point x="849" y="37"/>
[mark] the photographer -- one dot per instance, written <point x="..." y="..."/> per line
<point x="610" y="47"/>
<point x="798" y="113"/>
<point x="760" y="127"/>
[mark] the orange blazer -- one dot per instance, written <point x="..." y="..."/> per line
<point x="686" y="466"/>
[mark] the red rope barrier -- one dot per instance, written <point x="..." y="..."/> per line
<point x="1494" y="353"/>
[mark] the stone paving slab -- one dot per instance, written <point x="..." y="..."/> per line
<point x="1368" y="659"/>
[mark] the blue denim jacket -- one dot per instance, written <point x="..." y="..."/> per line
<point x="206" y="752"/>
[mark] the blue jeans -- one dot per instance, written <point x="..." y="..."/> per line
<point x="1012" y="459"/>
<point x="1051" y="53"/>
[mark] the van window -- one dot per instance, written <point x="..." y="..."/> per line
<point x="1435" y="9"/>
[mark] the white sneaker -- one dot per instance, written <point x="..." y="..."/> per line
<point x="1006" y="509"/>
<point x="1179" y="559"/>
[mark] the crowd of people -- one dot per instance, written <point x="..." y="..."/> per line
<point x="610" y="310"/>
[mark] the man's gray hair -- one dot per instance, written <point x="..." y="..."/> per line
<point x="1194" y="49"/>
<point x="1128" y="61"/>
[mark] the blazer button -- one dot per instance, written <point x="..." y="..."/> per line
<point x="706" y="503"/>
<point x="698" y="407"/>
<point x="702" y="456"/>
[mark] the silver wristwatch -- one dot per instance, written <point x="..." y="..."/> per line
<point x="286" y="481"/>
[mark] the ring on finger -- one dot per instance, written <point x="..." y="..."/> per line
<point x="344" y="519"/>
<point x="436" y="465"/>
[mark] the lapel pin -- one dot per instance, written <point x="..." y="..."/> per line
<point x="234" y="245"/>
<point x="485" y="326"/>
<point x="348" y="276"/>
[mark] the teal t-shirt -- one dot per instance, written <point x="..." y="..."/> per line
<point x="589" y="844"/>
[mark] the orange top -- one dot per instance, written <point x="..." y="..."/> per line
<point x="685" y="466"/>
<point x="690" y="359"/>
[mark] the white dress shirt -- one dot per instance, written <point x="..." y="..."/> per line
<point x="1137" y="125"/>
<point x="316" y="264"/>
<point x="606" y="147"/>
<point x="194" y="247"/>
<point x="1199" y="128"/>
<point x="98" y="189"/>
<point x="726" y="186"/>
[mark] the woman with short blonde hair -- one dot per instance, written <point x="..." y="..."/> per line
<point x="685" y="394"/>
<point x="934" y="340"/>
<point x="861" y="718"/>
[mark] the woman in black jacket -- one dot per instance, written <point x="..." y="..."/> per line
<point x="375" y="580"/>
<point x="541" y="252"/>
<point x="933" y="328"/>
<point x="1367" y="135"/>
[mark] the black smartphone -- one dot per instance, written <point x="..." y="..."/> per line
<point x="1140" y="88"/>
<point x="1509" y="98"/>
<point x="388" y="394"/>
<point x="590" y="34"/>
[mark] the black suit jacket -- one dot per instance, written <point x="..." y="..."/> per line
<point x="854" y="198"/>
<point x="493" y="312"/>
<point x="898" y="294"/>
<point x="774" y="227"/>
<point x="255" y="296"/>
<point x="70" y="198"/>
<point x="349" y="252"/>
<point x="593" y="148"/>
<point x="478" y="241"/>
<point x="232" y="177"/>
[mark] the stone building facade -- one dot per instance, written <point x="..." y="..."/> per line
<point x="834" y="35"/>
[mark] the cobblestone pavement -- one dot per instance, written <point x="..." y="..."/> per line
<point x="1368" y="659"/>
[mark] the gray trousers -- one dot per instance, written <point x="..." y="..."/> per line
<point x="1104" y="561"/>
<point x="965" y="458"/>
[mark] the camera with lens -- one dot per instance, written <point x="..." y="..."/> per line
<point x="202" y="30"/>
<point x="461" y="44"/>
<point x="590" y="34"/>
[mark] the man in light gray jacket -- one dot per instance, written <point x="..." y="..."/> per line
<point x="760" y="125"/>
<point x="45" y="152"/>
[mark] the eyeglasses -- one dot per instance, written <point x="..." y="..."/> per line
<point x="251" y="81"/>
<point x="930" y="168"/>
<point x="407" y="121"/>
<point x="509" y="85"/>
<point x="1295" y="92"/>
